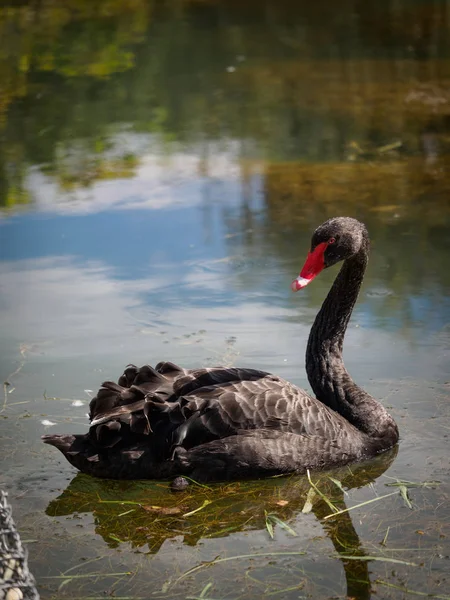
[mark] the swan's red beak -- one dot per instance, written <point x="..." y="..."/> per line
<point x="315" y="262"/>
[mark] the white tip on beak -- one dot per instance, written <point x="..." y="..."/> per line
<point x="299" y="283"/>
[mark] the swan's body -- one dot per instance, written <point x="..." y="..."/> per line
<point x="221" y="424"/>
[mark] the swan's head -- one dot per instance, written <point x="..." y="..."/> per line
<point x="335" y="240"/>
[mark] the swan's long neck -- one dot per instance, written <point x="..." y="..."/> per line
<point x="327" y="374"/>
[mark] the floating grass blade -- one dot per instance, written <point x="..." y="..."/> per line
<point x="127" y="512"/>
<point x="115" y="538"/>
<point x="307" y="507"/>
<point x="383" y="543"/>
<point x="269" y="526"/>
<point x="412" y="484"/>
<point x="87" y="575"/>
<point x="404" y="494"/>
<point x="203" y="593"/>
<point x="396" y="561"/>
<point x="282" y="524"/>
<point x="338" y="484"/>
<point x="216" y="561"/>
<point x="119" y="502"/>
<point x="292" y="588"/>
<point x="205" y="589"/>
<point x="64" y="583"/>
<point x="192" y="512"/>
<point x="340" y="512"/>
<point x="83" y="564"/>
<point x="321" y="494"/>
<point x="408" y="591"/>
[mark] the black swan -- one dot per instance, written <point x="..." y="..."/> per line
<point x="229" y="423"/>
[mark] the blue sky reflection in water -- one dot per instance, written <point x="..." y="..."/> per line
<point x="135" y="230"/>
<point x="86" y="291"/>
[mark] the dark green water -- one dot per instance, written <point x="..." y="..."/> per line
<point x="162" y="167"/>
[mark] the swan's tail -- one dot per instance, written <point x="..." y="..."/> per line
<point x="78" y="450"/>
<point x="118" y="438"/>
<point x="136" y="461"/>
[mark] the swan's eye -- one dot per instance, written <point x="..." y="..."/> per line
<point x="331" y="240"/>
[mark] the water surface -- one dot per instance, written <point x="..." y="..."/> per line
<point x="162" y="168"/>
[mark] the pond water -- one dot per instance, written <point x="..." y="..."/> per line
<point x="162" y="168"/>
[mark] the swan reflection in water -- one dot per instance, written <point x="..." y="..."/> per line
<point x="158" y="515"/>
